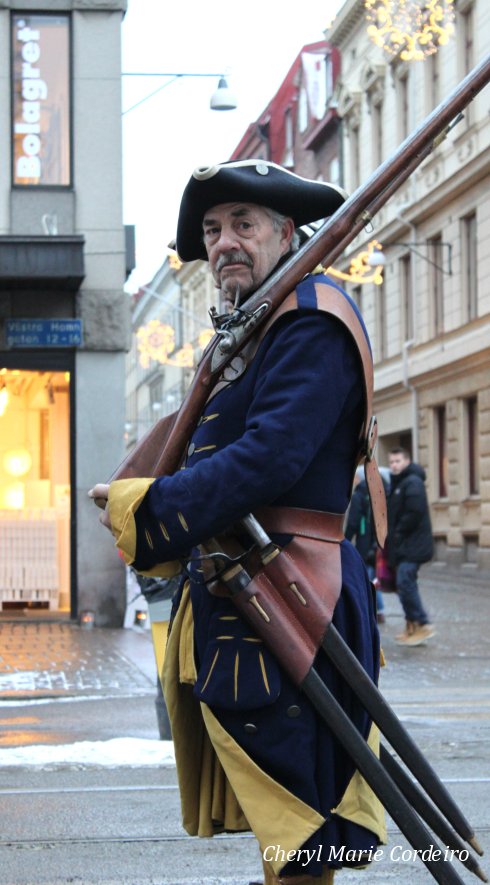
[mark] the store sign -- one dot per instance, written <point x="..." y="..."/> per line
<point x="41" y="99"/>
<point x="44" y="333"/>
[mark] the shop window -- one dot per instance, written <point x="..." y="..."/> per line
<point x="41" y="100"/>
<point x="35" y="490"/>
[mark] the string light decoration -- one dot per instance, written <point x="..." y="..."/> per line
<point x="361" y="270"/>
<point x="410" y="29"/>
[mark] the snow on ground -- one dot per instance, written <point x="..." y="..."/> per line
<point x="116" y="752"/>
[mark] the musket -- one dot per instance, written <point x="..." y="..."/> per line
<point x="280" y="620"/>
<point x="244" y="593"/>
<point x="160" y="452"/>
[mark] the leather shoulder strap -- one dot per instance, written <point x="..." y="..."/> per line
<point x="332" y="300"/>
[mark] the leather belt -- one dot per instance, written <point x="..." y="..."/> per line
<point x="317" y="524"/>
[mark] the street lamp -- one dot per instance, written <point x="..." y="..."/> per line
<point x="222" y="98"/>
<point x="377" y="258"/>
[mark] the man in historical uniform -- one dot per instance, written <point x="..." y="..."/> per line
<point x="279" y="437"/>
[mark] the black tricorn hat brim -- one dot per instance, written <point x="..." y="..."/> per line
<point x="250" y="181"/>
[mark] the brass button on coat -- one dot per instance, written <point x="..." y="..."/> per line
<point x="250" y="728"/>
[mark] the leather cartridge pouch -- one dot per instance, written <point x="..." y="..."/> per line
<point x="290" y="601"/>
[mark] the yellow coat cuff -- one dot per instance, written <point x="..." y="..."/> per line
<point x="125" y="496"/>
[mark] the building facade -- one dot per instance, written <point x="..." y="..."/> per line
<point x="343" y="108"/>
<point x="64" y="318"/>
<point x="430" y="320"/>
<point x="170" y="327"/>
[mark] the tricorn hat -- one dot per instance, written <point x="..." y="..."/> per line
<point x="250" y="181"/>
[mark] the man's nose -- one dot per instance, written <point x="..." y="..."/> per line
<point x="228" y="240"/>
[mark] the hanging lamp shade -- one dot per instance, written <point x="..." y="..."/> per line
<point x="223" y="98"/>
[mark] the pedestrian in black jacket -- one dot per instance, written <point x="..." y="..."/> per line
<point x="409" y="542"/>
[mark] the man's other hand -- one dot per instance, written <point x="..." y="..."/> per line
<point x="100" y="494"/>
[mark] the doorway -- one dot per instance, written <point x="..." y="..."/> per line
<point x="35" y="490"/>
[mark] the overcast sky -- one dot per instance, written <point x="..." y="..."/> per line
<point x="167" y="136"/>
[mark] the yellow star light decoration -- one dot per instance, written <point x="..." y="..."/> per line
<point x="408" y="28"/>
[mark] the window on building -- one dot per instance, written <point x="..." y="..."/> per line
<point x="433" y="80"/>
<point x="329" y="75"/>
<point x="406" y="290"/>
<point x="436" y="283"/>
<point x="441" y="451"/>
<point x="356" y="295"/>
<point x="468" y="38"/>
<point x="469" y="257"/>
<point x="472" y="445"/>
<point x="381" y="336"/>
<point x="377" y="133"/>
<point x="402" y="106"/>
<point x="41" y="149"/>
<point x="288" y="157"/>
<point x="334" y="174"/>
<point x="465" y="34"/>
<point x="354" y="150"/>
<point x="156" y="396"/>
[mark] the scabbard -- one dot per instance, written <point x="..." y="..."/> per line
<point x="290" y="601"/>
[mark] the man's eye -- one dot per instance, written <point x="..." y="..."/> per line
<point x="245" y="225"/>
<point x="211" y="232"/>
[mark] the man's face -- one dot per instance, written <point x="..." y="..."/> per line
<point x="397" y="463"/>
<point x="243" y="247"/>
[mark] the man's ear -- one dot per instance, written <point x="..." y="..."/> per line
<point x="287" y="235"/>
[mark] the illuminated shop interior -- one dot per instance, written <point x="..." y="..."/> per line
<point x="34" y="490"/>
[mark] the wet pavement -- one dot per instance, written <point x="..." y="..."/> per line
<point x="60" y="659"/>
<point x="100" y="824"/>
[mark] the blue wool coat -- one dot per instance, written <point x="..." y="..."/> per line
<point x="286" y="432"/>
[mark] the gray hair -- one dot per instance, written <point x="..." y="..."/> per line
<point x="278" y="222"/>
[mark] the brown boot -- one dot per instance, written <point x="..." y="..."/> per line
<point x="409" y="628"/>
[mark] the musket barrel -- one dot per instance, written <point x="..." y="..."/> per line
<point x="389" y="724"/>
<point x="238" y="581"/>
<point x="429" y="812"/>
<point x="377" y="777"/>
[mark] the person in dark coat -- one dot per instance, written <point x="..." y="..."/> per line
<point x="409" y="542"/>
<point x="360" y="530"/>
<point x="282" y="432"/>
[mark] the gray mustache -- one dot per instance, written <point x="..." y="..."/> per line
<point x="233" y="258"/>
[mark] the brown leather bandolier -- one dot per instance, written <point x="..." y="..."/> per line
<point x="291" y="597"/>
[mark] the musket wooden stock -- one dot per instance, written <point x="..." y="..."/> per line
<point x="324" y="246"/>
